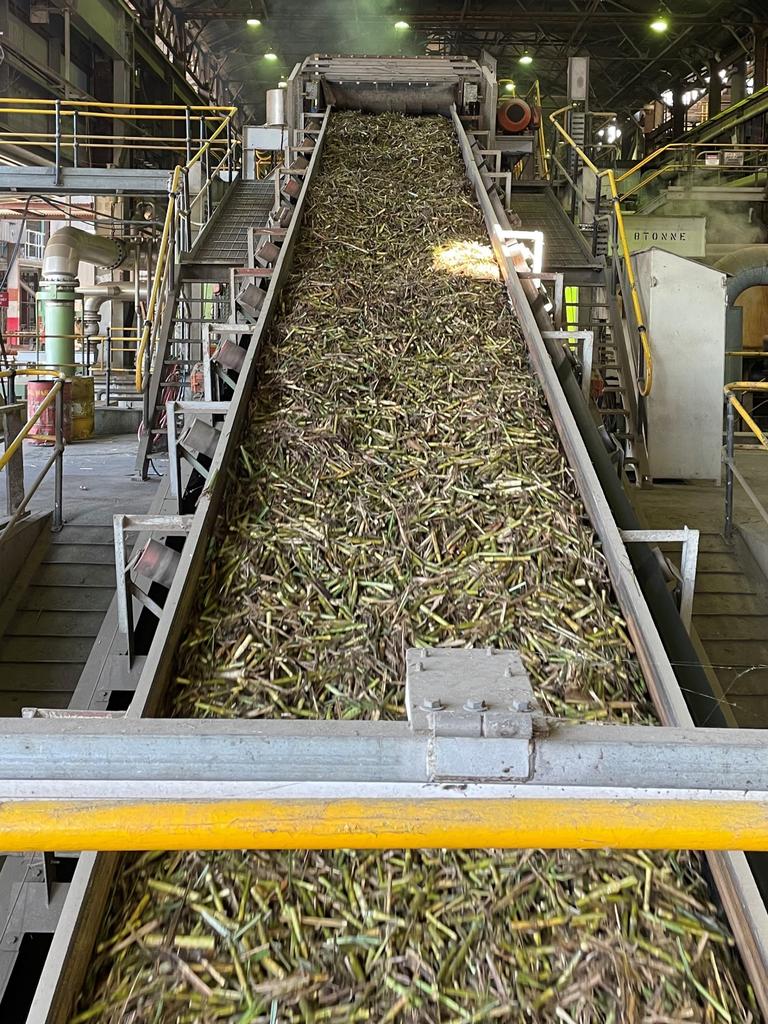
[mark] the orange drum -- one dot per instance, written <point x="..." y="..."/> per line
<point x="44" y="430"/>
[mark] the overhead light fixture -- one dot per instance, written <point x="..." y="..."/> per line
<point x="510" y="87"/>
<point x="526" y="58"/>
<point x="402" y="26"/>
<point x="269" y="55"/>
<point x="660" y="24"/>
<point x="282" y="84"/>
<point x="253" y="22"/>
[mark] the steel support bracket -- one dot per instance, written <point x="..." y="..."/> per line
<point x="126" y="589"/>
<point x="690" y="542"/>
<point x="585" y="342"/>
<point x="457" y="696"/>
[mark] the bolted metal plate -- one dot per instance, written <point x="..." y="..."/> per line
<point x="475" y="692"/>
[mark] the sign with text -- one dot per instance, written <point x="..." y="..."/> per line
<point x="684" y="236"/>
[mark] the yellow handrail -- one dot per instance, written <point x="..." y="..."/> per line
<point x="159" y="272"/>
<point x="644" y="385"/>
<point x="540" y="132"/>
<point x="747" y="385"/>
<point x="162" y="254"/>
<point x="14" y="446"/>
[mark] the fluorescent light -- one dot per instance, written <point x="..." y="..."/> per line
<point x="526" y="58"/>
<point x="402" y="26"/>
<point x="660" y="24"/>
<point x="269" y="55"/>
<point x="254" y="22"/>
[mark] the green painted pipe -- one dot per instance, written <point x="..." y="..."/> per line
<point x="58" y="314"/>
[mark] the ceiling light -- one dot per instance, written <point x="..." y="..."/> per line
<point x="269" y="55"/>
<point x="510" y="87"/>
<point x="282" y="84"/>
<point x="402" y="26"/>
<point x="254" y="22"/>
<point x="526" y="58"/>
<point x="660" y="24"/>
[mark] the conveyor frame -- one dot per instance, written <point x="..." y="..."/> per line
<point x="72" y="944"/>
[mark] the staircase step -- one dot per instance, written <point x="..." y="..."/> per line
<point x="91" y="554"/>
<point x="38" y="650"/>
<point x="74" y="599"/>
<point x="83" y="534"/>
<point x="22" y="676"/>
<point x="59" y="623"/>
<point x="73" y="575"/>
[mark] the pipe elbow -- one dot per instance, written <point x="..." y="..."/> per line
<point x="68" y="247"/>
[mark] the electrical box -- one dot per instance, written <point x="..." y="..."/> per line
<point x="578" y="79"/>
<point x="685" y="310"/>
<point x="261" y="138"/>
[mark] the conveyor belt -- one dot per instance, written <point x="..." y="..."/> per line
<point x="225" y="239"/>
<point x="539" y="210"/>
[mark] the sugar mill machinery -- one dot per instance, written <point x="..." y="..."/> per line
<point x="476" y="761"/>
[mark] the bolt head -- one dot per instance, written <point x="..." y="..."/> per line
<point x="12" y="940"/>
<point x="432" y="705"/>
<point x="475" y="705"/>
<point x="521" y="705"/>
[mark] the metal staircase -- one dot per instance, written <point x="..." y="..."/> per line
<point x="199" y="295"/>
<point x="65" y="590"/>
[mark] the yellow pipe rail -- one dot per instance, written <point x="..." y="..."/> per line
<point x="17" y="442"/>
<point x="644" y="385"/>
<point x="570" y="822"/>
<point x="159" y="273"/>
<point x="164" y="246"/>
<point x="746" y="385"/>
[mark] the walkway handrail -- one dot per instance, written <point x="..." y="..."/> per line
<point x="168" y="227"/>
<point x="642" y="330"/>
<point x="144" y="353"/>
<point x="733" y="406"/>
<point x="14" y="446"/>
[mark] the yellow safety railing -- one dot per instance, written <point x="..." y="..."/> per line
<point x="735" y="407"/>
<point x="646" y="384"/>
<point x="741" y="386"/>
<point x="17" y="442"/>
<point x="160" y="273"/>
<point x="695" y="150"/>
<point x="169" y="227"/>
<point x="533" y="96"/>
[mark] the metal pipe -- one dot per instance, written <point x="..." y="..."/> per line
<point x="58" y="479"/>
<point x="186" y="784"/>
<point x="64" y="251"/>
<point x="729" y="452"/>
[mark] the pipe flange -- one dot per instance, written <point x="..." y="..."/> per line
<point x="122" y="252"/>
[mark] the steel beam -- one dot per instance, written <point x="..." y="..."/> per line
<point x="132" y="784"/>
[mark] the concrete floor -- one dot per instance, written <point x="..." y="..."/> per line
<point x="98" y="478"/>
<point x="730" y="611"/>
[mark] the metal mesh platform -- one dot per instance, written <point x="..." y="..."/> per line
<point x="225" y="241"/>
<point x="539" y="210"/>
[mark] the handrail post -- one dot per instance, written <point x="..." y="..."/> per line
<point x="57" y="148"/>
<point x="108" y="373"/>
<point x="596" y="215"/>
<point x="230" y="161"/>
<point x="729" y="454"/>
<point x="186" y="213"/>
<point x="58" y="480"/>
<point x="188" y="132"/>
<point x="75" y="160"/>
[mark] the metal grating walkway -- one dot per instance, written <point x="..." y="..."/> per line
<point x="225" y="240"/>
<point x="539" y="210"/>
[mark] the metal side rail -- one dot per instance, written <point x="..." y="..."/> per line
<point x="733" y="876"/>
<point x="71" y="950"/>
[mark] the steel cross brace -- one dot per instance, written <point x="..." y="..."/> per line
<point x="476" y="765"/>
